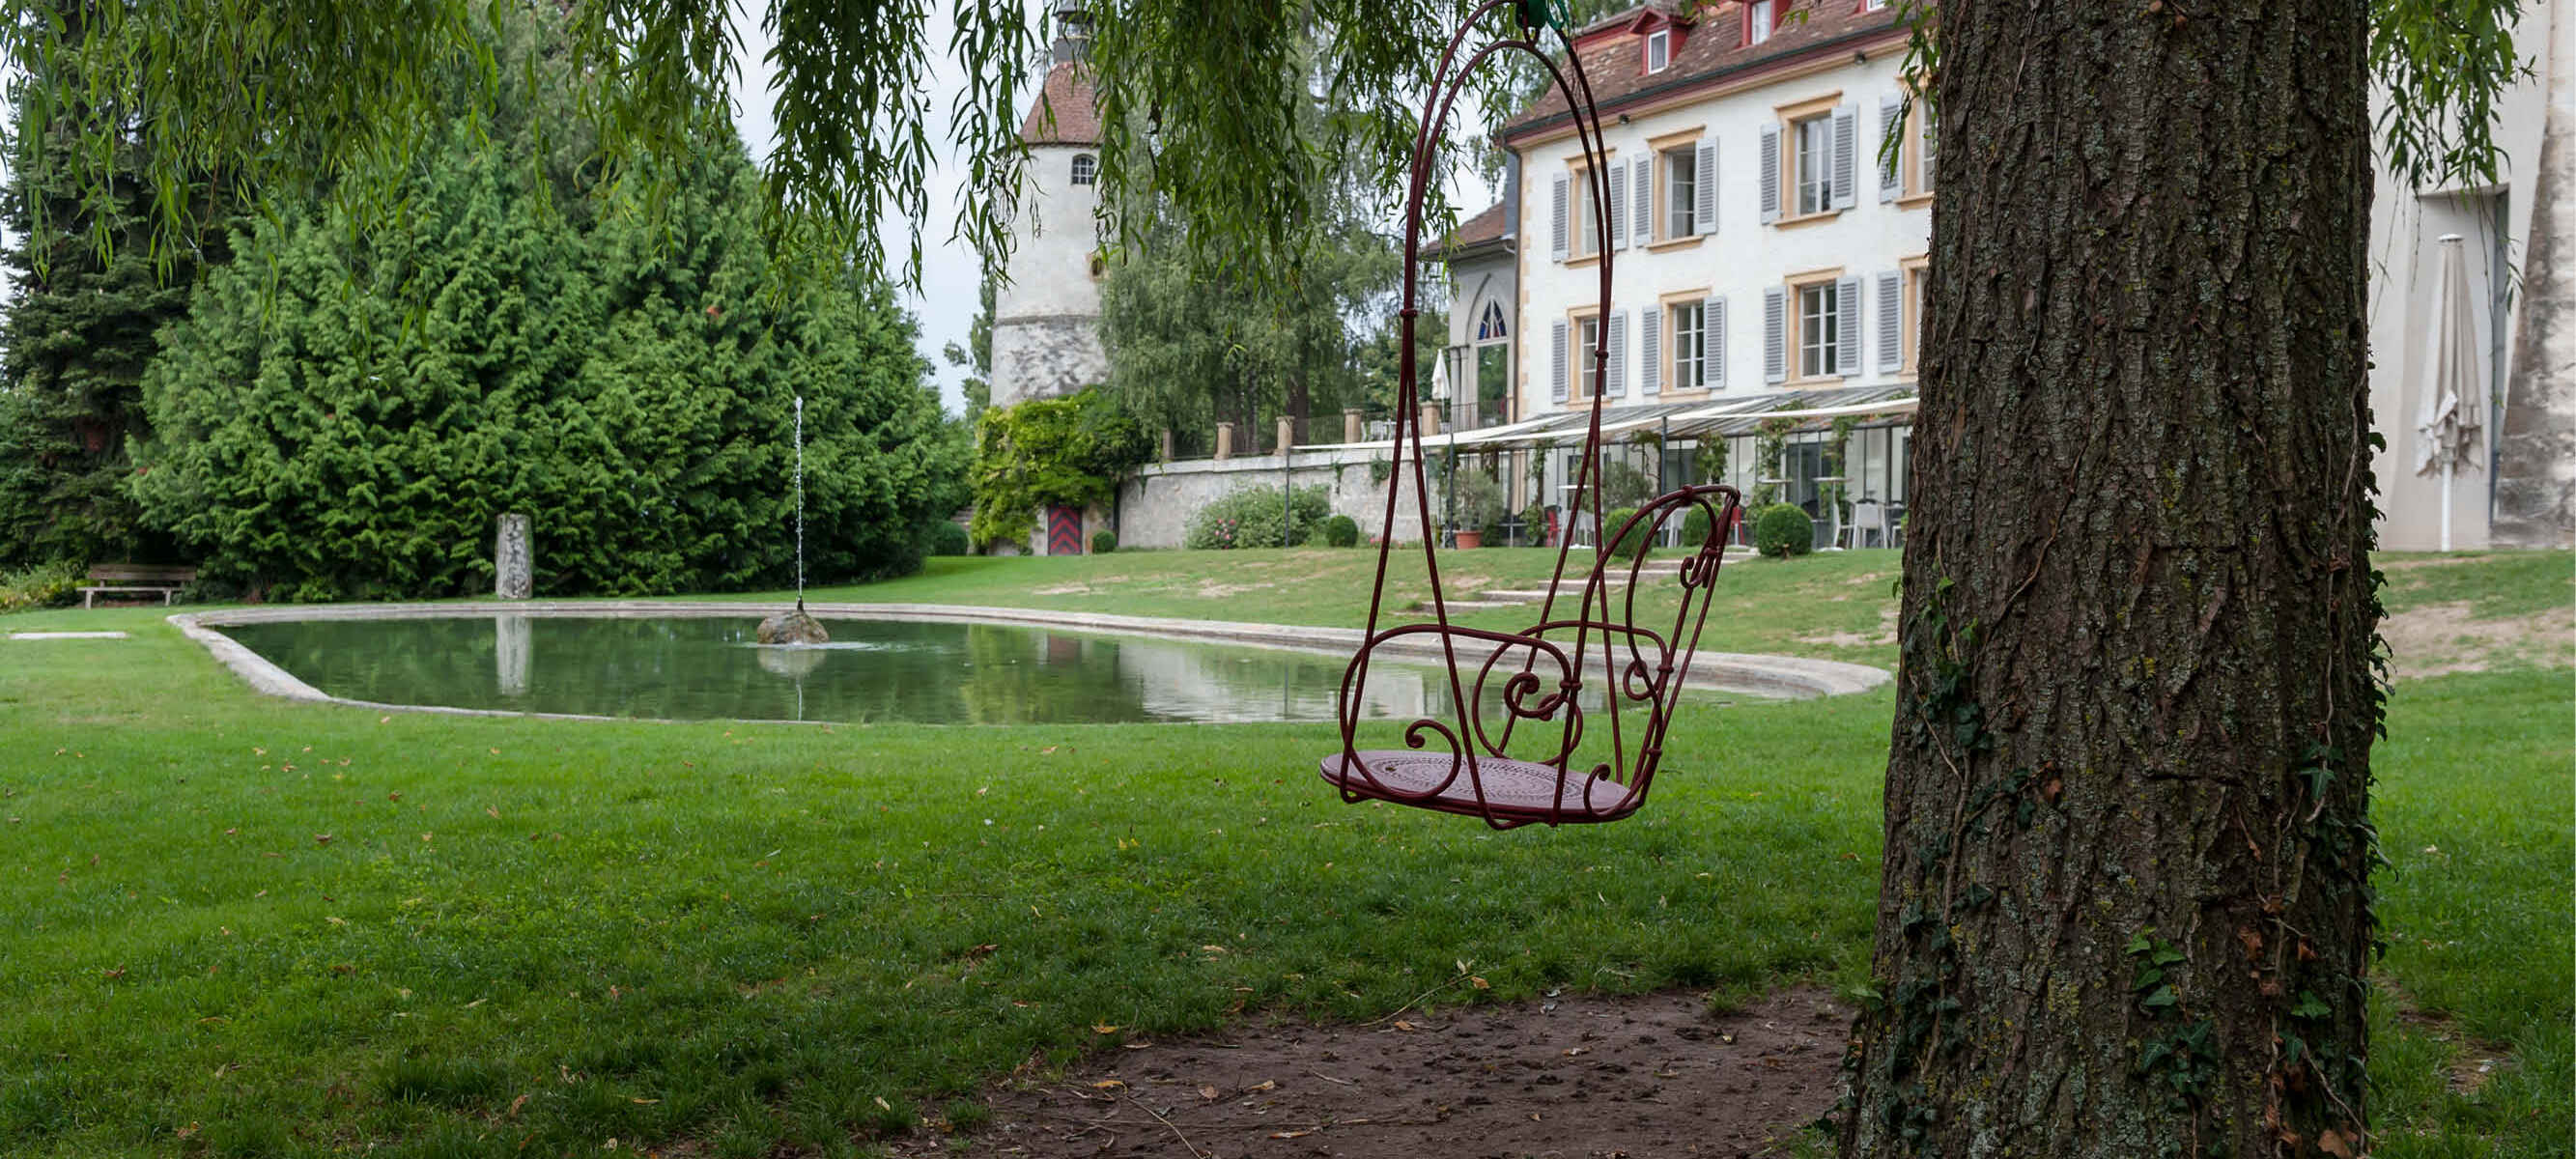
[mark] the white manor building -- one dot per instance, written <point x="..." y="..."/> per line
<point x="1768" y="266"/>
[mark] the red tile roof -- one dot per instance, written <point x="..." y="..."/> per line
<point x="1713" y="49"/>
<point x="1484" y="226"/>
<point x="1076" y="114"/>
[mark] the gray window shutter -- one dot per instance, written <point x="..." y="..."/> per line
<point x="1618" y="239"/>
<point x="1846" y="150"/>
<point x="1556" y="361"/>
<point x="1558" y="250"/>
<point x="1614" y="380"/>
<point x="1891" y="128"/>
<point x="1712" y="321"/>
<point x="1931" y="135"/>
<point x="1704" y="214"/>
<point x="1770" y="173"/>
<point x="1775" y="338"/>
<point x="1641" y="216"/>
<point x="1847" y="345"/>
<point x="1650" y="349"/>
<point x="1891" y="321"/>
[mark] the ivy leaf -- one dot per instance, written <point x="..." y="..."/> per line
<point x="2162" y="998"/>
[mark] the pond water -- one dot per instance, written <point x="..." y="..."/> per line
<point x="706" y="668"/>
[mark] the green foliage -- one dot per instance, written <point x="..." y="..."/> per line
<point x="78" y="331"/>
<point x="1250" y="517"/>
<point x="1341" y="531"/>
<point x="41" y="585"/>
<point x="1695" y="527"/>
<point x="947" y="537"/>
<point x="1637" y="539"/>
<point x="1478" y="499"/>
<point x="1047" y="452"/>
<point x="1104" y="541"/>
<point x="1782" y="530"/>
<point x="1624" y="484"/>
<point x="344" y="414"/>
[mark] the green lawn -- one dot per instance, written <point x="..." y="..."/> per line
<point x="240" y="926"/>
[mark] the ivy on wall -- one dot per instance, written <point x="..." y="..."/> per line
<point x="1049" y="452"/>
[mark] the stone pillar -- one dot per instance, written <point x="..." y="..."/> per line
<point x="2535" y="484"/>
<point x="1351" y="428"/>
<point x="513" y="559"/>
<point x="1167" y="445"/>
<point x="1224" y="441"/>
<point x="1287" y="434"/>
<point x="1430" y="419"/>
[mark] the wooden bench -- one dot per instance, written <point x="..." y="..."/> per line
<point x="114" y="579"/>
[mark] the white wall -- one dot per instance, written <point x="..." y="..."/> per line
<point x="2405" y="258"/>
<point x="1046" y="332"/>
<point x="1738" y="261"/>
<point x="1155" y="504"/>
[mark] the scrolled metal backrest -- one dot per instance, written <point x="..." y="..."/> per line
<point x="1541" y="681"/>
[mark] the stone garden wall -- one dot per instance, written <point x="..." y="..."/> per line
<point x="1155" y="506"/>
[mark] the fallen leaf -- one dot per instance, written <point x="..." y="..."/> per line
<point x="321" y="839"/>
<point x="1303" y="1134"/>
<point x="2333" y="1144"/>
<point x="1208" y="1093"/>
<point x="1107" y="1085"/>
<point x="1401" y="1024"/>
<point x="1263" y="1085"/>
<point x="1103" y="1028"/>
<point x="1480" y="983"/>
<point x="517" y="1103"/>
<point x="882" y="1104"/>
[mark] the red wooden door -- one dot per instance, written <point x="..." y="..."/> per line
<point x="1064" y="531"/>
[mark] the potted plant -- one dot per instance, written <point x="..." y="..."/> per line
<point x="1478" y="501"/>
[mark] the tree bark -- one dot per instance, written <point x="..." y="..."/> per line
<point x="2125" y="902"/>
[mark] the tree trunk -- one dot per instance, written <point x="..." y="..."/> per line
<point x="2125" y="904"/>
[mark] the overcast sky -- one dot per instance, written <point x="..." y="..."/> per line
<point x="947" y="302"/>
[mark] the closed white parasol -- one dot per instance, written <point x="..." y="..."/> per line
<point x="2447" y="435"/>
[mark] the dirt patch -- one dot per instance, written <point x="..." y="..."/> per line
<point x="1062" y="590"/>
<point x="1574" y="1076"/>
<point x="2438" y="638"/>
<point x="1212" y="590"/>
<point x="1886" y="633"/>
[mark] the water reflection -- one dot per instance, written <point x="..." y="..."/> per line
<point x="709" y="668"/>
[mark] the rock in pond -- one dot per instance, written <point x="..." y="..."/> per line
<point x="791" y="628"/>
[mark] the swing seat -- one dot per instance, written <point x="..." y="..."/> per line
<point x="1514" y="792"/>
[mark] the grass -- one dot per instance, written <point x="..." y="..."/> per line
<point x="240" y="926"/>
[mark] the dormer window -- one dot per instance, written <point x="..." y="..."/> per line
<point x="1758" y="19"/>
<point x="1659" y="50"/>
<point x="1086" y="168"/>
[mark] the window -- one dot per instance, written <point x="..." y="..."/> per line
<point x="1587" y="226"/>
<point x="1659" y="50"/>
<point x="1812" y="162"/>
<point x="1757" y="21"/>
<point x="1489" y="326"/>
<point x="1085" y="168"/>
<point x="1587" y="359"/>
<point x="1820" y="321"/>
<point x="1873" y="5"/>
<point x="1681" y="191"/>
<point x="1689" y="325"/>
<point x="1914" y="274"/>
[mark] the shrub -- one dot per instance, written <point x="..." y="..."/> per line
<point x="1624" y="485"/>
<point x="1637" y="539"/>
<point x="1782" y="530"/>
<point x="1478" y="500"/>
<point x="43" y="585"/>
<point x="1250" y="517"/>
<point x="1104" y="541"/>
<point x="949" y="538"/>
<point x="1341" y="531"/>
<point x="1695" y="527"/>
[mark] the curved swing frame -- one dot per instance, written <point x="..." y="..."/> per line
<point x="1638" y="665"/>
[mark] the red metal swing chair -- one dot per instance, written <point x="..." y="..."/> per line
<point x="1555" y="778"/>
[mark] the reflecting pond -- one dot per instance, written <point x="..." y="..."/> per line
<point x="703" y="668"/>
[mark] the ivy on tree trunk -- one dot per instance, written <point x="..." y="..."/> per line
<point x="2125" y="903"/>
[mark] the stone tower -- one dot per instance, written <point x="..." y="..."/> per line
<point x="1046" y="321"/>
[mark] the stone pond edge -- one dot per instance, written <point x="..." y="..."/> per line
<point x="1795" y="677"/>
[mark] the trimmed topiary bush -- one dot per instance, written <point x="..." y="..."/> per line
<point x="1695" y="527"/>
<point x="949" y="538"/>
<point x="1637" y="539"/>
<point x="1341" y="531"/>
<point x="1104" y="541"/>
<point x="1782" y="530"/>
